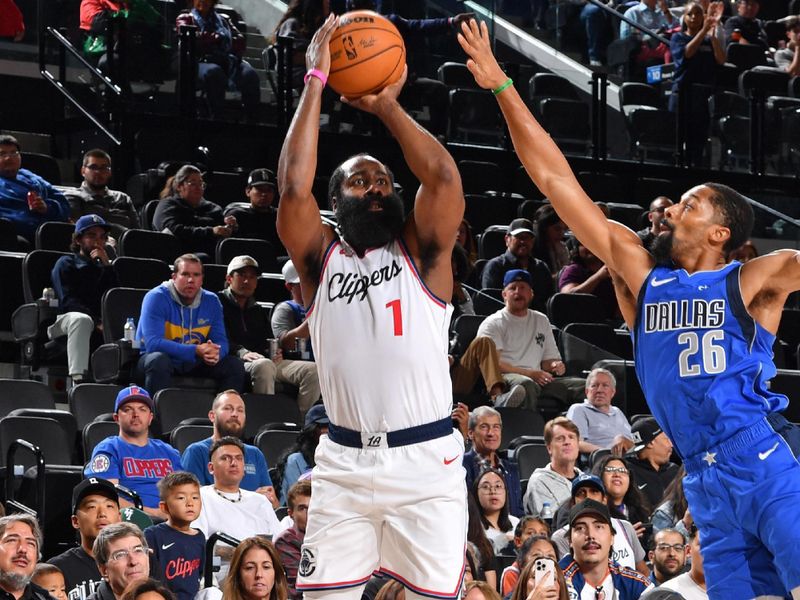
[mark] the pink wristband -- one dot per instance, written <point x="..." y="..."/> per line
<point x="318" y="74"/>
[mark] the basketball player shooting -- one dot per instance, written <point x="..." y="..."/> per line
<point x="388" y="485"/>
<point x="703" y="330"/>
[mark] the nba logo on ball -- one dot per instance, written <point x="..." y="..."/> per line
<point x="367" y="54"/>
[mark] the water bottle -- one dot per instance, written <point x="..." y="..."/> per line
<point x="547" y="513"/>
<point x="129" y="331"/>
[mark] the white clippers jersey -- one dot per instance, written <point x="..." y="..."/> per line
<point x="380" y="341"/>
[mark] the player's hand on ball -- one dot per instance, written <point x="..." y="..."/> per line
<point x="474" y="39"/>
<point x="318" y="54"/>
<point x="373" y="103"/>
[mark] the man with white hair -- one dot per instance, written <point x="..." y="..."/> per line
<point x="20" y="541"/>
<point x="601" y="425"/>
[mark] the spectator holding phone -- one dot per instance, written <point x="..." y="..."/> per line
<point x="542" y="579"/>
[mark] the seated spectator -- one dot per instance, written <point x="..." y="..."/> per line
<point x="95" y="505"/>
<point x="524" y="340"/>
<point x="623" y="494"/>
<point x="672" y="511"/>
<point x="226" y="506"/>
<point x="93" y="197"/>
<point x="549" y="234"/>
<point x="132" y="458"/>
<point x="668" y="555"/>
<point x="650" y="460"/>
<point x="745" y="252"/>
<point x="146" y="590"/>
<point x="485" y="431"/>
<point x="11" y="22"/>
<point x="592" y="535"/>
<point x="461" y="301"/>
<point x="248" y="329"/>
<point x="745" y="26"/>
<point x="526" y="588"/>
<point x="256" y="572"/>
<point x="79" y="281"/>
<point x="20" y="543"/>
<point x="594" y="21"/>
<point x="697" y="52"/>
<point x="490" y="491"/>
<point x="482" y="359"/>
<point x="289" y="317"/>
<point x="299" y="459"/>
<point x="197" y="223"/>
<point x="228" y="416"/>
<point x="50" y="579"/>
<point x="290" y="541"/>
<point x="220" y="66"/>
<point x="788" y="58"/>
<point x="692" y="584"/>
<point x="586" y="274"/>
<point x="518" y="255"/>
<point x="553" y="482"/>
<point x="601" y="424"/>
<point x="626" y="550"/>
<point x="123" y="557"/>
<point x="655" y="216"/>
<point x="256" y="218"/>
<point x="657" y="19"/>
<point x="391" y="590"/>
<point x="531" y="545"/>
<point x="466" y="238"/>
<point x="480" y="590"/>
<point x="300" y="21"/>
<point x="26" y="199"/>
<point x="178" y="548"/>
<point x="480" y="552"/>
<point x="183" y="332"/>
<point x="144" y="28"/>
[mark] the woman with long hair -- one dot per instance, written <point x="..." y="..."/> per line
<point x="485" y="563"/>
<point x="141" y="587"/>
<point x="393" y="590"/>
<point x="673" y="511"/>
<point x="489" y="489"/>
<point x="548" y="243"/>
<point x="480" y="590"/>
<point x="622" y="494"/>
<point x="256" y="572"/>
<point x="526" y="588"/>
<point x="299" y="459"/>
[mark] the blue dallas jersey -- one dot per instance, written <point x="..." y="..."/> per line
<point x="702" y="360"/>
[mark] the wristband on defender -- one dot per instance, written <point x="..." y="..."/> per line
<point x="318" y="74"/>
<point x="506" y="84"/>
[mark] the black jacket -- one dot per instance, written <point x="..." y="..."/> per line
<point x="103" y="592"/>
<point x="248" y="329"/>
<point x="194" y="227"/>
<point x="652" y="483"/>
<point x="80" y="284"/>
<point x="32" y="592"/>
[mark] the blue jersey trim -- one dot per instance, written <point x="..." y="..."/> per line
<point x="738" y="308"/>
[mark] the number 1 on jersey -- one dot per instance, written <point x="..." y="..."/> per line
<point x="397" y="316"/>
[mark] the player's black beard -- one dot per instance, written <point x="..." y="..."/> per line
<point x="662" y="248"/>
<point x="363" y="228"/>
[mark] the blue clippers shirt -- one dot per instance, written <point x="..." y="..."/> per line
<point x="702" y="360"/>
<point x="181" y="556"/>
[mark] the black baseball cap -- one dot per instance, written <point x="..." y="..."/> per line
<point x="590" y="507"/>
<point x="262" y="177"/>
<point x="91" y="486"/>
<point x="644" y="431"/>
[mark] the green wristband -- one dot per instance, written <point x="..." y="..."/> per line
<point x="506" y="84"/>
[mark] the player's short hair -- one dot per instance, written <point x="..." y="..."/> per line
<point x="562" y="422"/>
<point x="299" y="488"/>
<point x="114" y="532"/>
<point x="598" y="371"/>
<point x="337" y="177"/>
<point x="482" y="411"/>
<point x="95" y="153"/>
<point x="735" y="212"/>
<point x="173" y="480"/>
<point x="29" y="520"/>
<point x="188" y="257"/>
<point x="228" y="440"/>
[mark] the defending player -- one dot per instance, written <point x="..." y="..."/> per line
<point x="703" y="332"/>
<point x="388" y="485"/>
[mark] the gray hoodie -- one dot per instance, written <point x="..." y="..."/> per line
<point x="545" y="485"/>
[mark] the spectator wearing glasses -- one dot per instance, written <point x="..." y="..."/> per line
<point x="490" y="491"/>
<point x="655" y="216"/>
<point x="195" y="221"/>
<point x="26" y="199"/>
<point x="650" y="459"/>
<point x="623" y="495"/>
<point x="668" y="555"/>
<point x="591" y="537"/>
<point x="122" y="556"/>
<point x="691" y="585"/>
<point x="94" y="197"/>
<point x="485" y="431"/>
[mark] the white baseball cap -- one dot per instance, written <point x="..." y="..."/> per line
<point x="290" y="273"/>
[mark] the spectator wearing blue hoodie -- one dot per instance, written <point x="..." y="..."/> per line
<point x="182" y="332"/>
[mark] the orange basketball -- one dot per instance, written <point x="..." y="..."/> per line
<point x="367" y="54"/>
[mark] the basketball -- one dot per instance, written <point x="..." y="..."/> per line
<point x="367" y="54"/>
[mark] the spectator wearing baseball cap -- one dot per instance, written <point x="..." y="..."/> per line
<point x="80" y="280"/>
<point x="527" y="351"/>
<point x="649" y="459"/>
<point x="95" y="505"/>
<point x="249" y="329"/>
<point x="132" y="458"/>
<point x="519" y="255"/>
<point x="289" y="317"/>
<point x="592" y="538"/>
<point x="626" y="550"/>
<point x="257" y="217"/>
<point x="300" y="459"/>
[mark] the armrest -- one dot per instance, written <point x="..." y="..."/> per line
<point x="25" y="322"/>
<point x="110" y="359"/>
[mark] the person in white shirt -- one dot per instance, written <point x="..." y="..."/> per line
<point x="692" y="584"/>
<point x="226" y="506"/>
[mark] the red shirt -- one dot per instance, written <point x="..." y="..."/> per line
<point x="90" y="8"/>
<point x="10" y="19"/>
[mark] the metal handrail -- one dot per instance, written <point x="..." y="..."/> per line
<point x="629" y="21"/>
<point x="11" y="502"/>
<point x="208" y="569"/>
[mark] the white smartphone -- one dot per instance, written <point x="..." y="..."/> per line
<point x="544" y="569"/>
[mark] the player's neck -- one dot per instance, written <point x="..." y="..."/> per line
<point x="701" y="260"/>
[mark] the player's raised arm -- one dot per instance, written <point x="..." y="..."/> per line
<point x="542" y="159"/>
<point x="299" y="224"/>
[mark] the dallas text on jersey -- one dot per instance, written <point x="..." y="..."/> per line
<point x="676" y="315"/>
